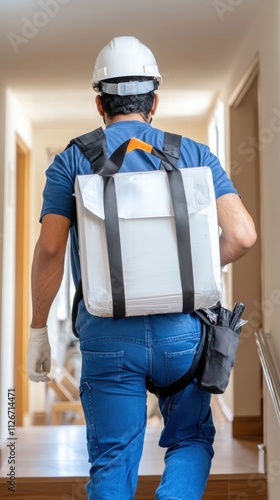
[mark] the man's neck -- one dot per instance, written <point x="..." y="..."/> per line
<point x="122" y="118"/>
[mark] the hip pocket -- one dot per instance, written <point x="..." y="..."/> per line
<point x="100" y="366"/>
<point x="177" y="363"/>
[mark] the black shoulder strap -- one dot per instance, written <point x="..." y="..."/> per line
<point x="172" y="146"/>
<point x="93" y="147"/>
<point x="172" y="149"/>
<point x="77" y="297"/>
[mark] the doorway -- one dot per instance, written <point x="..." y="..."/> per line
<point x="21" y="277"/>
<point x="245" y="145"/>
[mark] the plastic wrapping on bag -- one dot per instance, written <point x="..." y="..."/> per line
<point x="148" y="242"/>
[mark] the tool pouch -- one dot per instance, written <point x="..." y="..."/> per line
<point x="219" y="356"/>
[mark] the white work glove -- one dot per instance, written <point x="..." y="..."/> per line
<point x="38" y="360"/>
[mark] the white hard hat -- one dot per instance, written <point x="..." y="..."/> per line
<point x="125" y="56"/>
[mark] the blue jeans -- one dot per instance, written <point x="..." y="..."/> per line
<point x="117" y="355"/>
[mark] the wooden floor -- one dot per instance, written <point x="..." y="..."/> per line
<point x="51" y="464"/>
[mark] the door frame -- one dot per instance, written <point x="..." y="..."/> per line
<point x="248" y="425"/>
<point x="245" y="83"/>
<point x="22" y="287"/>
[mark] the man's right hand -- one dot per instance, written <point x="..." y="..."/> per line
<point x="38" y="355"/>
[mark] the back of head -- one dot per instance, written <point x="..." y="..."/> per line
<point x="126" y="74"/>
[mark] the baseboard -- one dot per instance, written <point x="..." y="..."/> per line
<point x="248" y="427"/>
<point x="224" y="408"/>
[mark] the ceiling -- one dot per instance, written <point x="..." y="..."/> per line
<point x="48" y="48"/>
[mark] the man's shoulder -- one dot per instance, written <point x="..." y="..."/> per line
<point x="86" y="138"/>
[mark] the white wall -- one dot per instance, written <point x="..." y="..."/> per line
<point x="264" y="38"/>
<point x="16" y="123"/>
<point x="3" y="429"/>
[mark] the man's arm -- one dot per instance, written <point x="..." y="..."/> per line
<point x="238" y="229"/>
<point x="48" y="266"/>
<point x="46" y="276"/>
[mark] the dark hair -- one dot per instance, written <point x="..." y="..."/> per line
<point x="124" y="105"/>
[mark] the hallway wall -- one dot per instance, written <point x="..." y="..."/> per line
<point x="15" y="123"/>
<point x="2" y="163"/>
<point x="264" y="38"/>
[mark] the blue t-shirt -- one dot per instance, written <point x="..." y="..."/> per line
<point x="59" y="189"/>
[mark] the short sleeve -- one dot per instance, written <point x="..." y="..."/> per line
<point x="58" y="194"/>
<point x="222" y="183"/>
